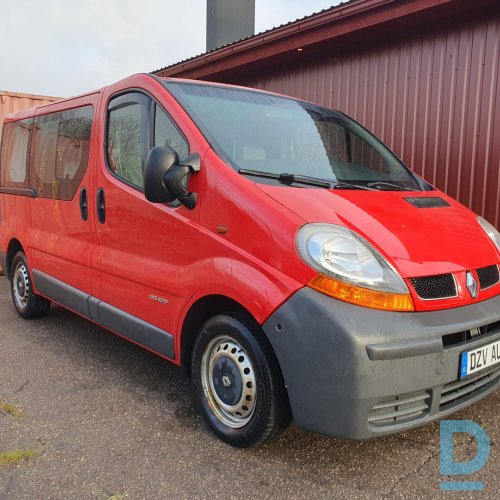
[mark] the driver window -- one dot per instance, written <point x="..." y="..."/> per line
<point x="167" y="134"/>
<point x="131" y="118"/>
<point x="125" y="142"/>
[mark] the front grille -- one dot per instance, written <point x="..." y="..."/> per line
<point x="488" y="276"/>
<point x="442" y="286"/>
<point x="454" y="339"/>
<point x="400" y="409"/>
<point x="461" y="391"/>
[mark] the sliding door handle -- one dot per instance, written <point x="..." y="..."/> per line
<point x="101" y="206"/>
<point x="84" y="207"/>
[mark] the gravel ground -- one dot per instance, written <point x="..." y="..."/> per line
<point x="105" y="418"/>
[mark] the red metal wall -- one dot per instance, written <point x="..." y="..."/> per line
<point x="433" y="97"/>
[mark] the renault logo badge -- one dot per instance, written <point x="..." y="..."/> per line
<point x="471" y="284"/>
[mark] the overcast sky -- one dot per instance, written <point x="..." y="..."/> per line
<point x="65" y="47"/>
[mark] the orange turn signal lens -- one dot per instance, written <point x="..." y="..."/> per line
<point x="362" y="296"/>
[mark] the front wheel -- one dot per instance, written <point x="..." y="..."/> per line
<point x="237" y="381"/>
<point x="28" y="304"/>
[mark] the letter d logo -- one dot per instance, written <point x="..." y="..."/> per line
<point x="451" y="468"/>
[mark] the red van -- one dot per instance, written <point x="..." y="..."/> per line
<point x="273" y="248"/>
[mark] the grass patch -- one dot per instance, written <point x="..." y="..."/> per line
<point x="115" y="497"/>
<point x="11" y="410"/>
<point x="16" y="456"/>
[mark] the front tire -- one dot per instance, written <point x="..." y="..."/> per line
<point x="28" y="304"/>
<point x="237" y="382"/>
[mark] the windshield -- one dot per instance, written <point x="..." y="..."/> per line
<point x="266" y="133"/>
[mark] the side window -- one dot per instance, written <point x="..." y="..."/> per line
<point x="60" y="152"/>
<point x="14" y="161"/>
<point x="73" y="144"/>
<point x="365" y="155"/>
<point x="135" y="125"/>
<point x="166" y="134"/>
<point x="127" y="136"/>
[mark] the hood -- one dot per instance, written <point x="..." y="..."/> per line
<point x="418" y="240"/>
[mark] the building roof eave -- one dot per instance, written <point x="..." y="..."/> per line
<point x="342" y="20"/>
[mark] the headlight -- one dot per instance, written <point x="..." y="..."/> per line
<point x="342" y="254"/>
<point x="350" y="268"/>
<point x="491" y="231"/>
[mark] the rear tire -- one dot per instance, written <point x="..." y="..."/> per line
<point x="237" y="381"/>
<point x="28" y="304"/>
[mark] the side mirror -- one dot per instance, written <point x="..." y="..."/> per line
<point x="166" y="180"/>
<point x="177" y="178"/>
<point x="158" y="162"/>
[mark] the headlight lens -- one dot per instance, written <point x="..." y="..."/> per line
<point x="337" y="252"/>
<point x="491" y="231"/>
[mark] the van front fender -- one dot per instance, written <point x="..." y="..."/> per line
<point x="260" y="289"/>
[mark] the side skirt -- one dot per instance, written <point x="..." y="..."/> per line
<point x="106" y="315"/>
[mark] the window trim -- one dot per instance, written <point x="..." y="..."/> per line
<point x="29" y="192"/>
<point x="151" y="130"/>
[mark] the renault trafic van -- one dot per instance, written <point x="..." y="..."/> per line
<point x="273" y="248"/>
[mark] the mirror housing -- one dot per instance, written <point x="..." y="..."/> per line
<point x="176" y="180"/>
<point x="158" y="162"/>
<point x="166" y="180"/>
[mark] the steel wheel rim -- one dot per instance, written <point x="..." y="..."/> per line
<point x="21" y="285"/>
<point x="228" y="382"/>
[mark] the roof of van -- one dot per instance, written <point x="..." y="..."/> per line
<point x="29" y="112"/>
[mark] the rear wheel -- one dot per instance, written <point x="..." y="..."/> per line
<point x="237" y="381"/>
<point x="27" y="303"/>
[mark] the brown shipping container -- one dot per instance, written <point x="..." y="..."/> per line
<point x="424" y="76"/>
<point x="10" y="102"/>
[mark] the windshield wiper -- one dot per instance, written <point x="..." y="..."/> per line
<point x="288" y="179"/>
<point x="348" y="185"/>
<point x="393" y="187"/>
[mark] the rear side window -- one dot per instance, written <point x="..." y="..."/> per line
<point x="60" y="152"/>
<point x="14" y="161"/>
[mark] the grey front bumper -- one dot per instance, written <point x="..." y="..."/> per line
<point x="359" y="373"/>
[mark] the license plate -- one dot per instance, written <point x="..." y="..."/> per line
<point x="479" y="359"/>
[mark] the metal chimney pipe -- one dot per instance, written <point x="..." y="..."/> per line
<point x="229" y="21"/>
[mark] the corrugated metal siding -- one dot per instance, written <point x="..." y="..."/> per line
<point x="434" y="98"/>
<point x="10" y="102"/>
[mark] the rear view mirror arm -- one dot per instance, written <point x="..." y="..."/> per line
<point x="193" y="161"/>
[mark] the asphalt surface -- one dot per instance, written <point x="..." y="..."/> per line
<point x="108" y="418"/>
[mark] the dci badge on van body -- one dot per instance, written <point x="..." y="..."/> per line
<point x="161" y="300"/>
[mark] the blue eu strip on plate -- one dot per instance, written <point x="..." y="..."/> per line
<point x="464" y="364"/>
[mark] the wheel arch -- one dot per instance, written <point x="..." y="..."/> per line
<point x="14" y="247"/>
<point x="199" y="312"/>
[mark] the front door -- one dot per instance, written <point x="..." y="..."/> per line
<point x="147" y="251"/>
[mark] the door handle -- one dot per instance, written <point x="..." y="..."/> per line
<point x="84" y="208"/>
<point x="101" y="206"/>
